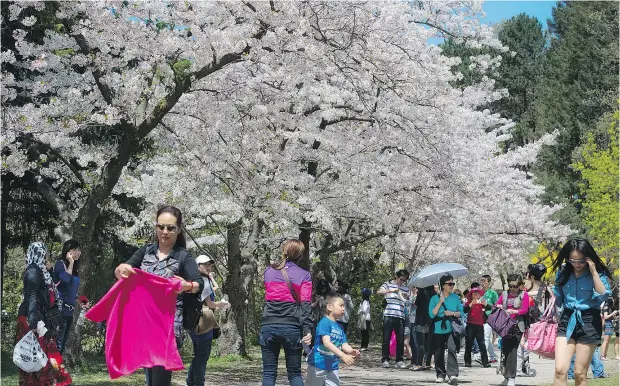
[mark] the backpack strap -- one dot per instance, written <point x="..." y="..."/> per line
<point x="505" y="299"/>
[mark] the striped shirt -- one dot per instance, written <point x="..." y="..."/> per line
<point x="395" y="302"/>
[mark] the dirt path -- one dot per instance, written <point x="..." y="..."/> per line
<point x="367" y="371"/>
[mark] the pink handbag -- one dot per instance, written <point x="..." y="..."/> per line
<point x="541" y="335"/>
<point x="393" y="345"/>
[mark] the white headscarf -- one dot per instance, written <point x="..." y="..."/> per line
<point x="37" y="253"/>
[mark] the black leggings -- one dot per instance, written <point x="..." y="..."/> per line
<point x="366" y="335"/>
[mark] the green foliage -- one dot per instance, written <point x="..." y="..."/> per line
<point x="520" y="72"/>
<point x="579" y="86"/>
<point x="597" y="161"/>
<point x="181" y="69"/>
<point x="12" y="293"/>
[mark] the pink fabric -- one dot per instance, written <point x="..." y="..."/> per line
<point x="278" y="291"/>
<point x="140" y="323"/>
<point x="524" y="305"/>
<point x="540" y="337"/>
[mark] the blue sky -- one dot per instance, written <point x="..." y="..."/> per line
<point x="502" y="10"/>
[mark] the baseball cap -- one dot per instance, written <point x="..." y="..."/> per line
<point x="203" y="259"/>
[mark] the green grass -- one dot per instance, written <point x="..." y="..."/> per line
<point x="93" y="371"/>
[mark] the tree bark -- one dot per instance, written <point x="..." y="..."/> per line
<point x="242" y="267"/>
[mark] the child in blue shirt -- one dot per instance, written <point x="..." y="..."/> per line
<point x="330" y="347"/>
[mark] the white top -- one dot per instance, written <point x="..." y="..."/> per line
<point x="365" y="309"/>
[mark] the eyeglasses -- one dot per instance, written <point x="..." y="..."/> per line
<point x="579" y="261"/>
<point x="170" y="228"/>
<point x="450" y="284"/>
<point x="511" y="286"/>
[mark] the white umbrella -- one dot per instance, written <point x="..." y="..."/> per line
<point x="431" y="274"/>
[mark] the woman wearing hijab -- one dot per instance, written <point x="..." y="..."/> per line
<point x="39" y="304"/>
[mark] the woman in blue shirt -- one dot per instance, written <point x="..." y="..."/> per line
<point x="442" y="308"/>
<point x="581" y="285"/>
<point x="67" y="282"/>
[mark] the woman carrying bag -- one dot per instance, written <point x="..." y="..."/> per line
<point x="287" y="319"/>
<point x="39" y="304"/>
<point x="582" y="284"/>
<point x="202" y="337"/>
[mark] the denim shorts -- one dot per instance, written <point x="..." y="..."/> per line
<point x="588" y="333"/>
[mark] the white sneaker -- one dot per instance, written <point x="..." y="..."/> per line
<point x="401" y="365"/>
<point x="386" y="365"/>
<point x="511" y="382"/>
<point x="440" y="380"/>
<point x="505" y="382"/>
<point x="453" y="380"/>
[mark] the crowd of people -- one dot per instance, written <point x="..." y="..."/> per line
<point x="426" y="325"/>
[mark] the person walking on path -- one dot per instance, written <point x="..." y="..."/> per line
<point x="475" y="325"/>
<point x="537" y="293"/>
<point x="396" y="293"/>
<point x="39" y="304"/>
<point x="610" y="317"/>
<point x="490" y="297"/>
<point x="67" y="281"/>
<point x="442" y="309"/>
<point x="287" y="319"/>
<point x="202" y="336"/>
<point x="167" y="258"/>
<point x="515" y="302"/>
<point x="582" y="284"/>
<point x="343" y="289"/>
<point x="364" y="313"/>
<point x="330" y="347"/>
<point x="423" y="329"/>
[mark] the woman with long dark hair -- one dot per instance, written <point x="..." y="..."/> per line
<point x="67" y="281"/>
<point x="287" y="320"/>
<point x="581" y="285"/>
<point x="167" y="257"/>
<point x="39" y="304"/>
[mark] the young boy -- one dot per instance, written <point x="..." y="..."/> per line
<point x="330" y="346"/>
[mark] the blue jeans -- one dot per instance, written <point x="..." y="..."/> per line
<point x="597" y="365"/>
<point x="198" y="367"/>
<point x="273" y="337"/>
<point x="63" y="332"/>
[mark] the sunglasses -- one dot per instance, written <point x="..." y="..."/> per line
<point x="580" y="261"/>
<point x="512" y="286"/>
<point x="169" y="228"/>
<point x="450" y="284"/>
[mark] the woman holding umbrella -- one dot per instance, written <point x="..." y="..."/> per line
<point x="442" y="308"/>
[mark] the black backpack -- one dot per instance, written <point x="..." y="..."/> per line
<point x="192" y="310"/>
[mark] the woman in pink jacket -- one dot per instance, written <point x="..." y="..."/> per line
<point x="515" y="302"/>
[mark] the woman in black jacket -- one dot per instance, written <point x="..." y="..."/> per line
<point x="40" y="305"/>
<point x="166" y="258"/>
<point x="422" y="329"/>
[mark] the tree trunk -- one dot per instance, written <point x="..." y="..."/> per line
<point x="242" y="266"/>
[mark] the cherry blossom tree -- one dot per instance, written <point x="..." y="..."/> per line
<point x="333" y="122"/>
